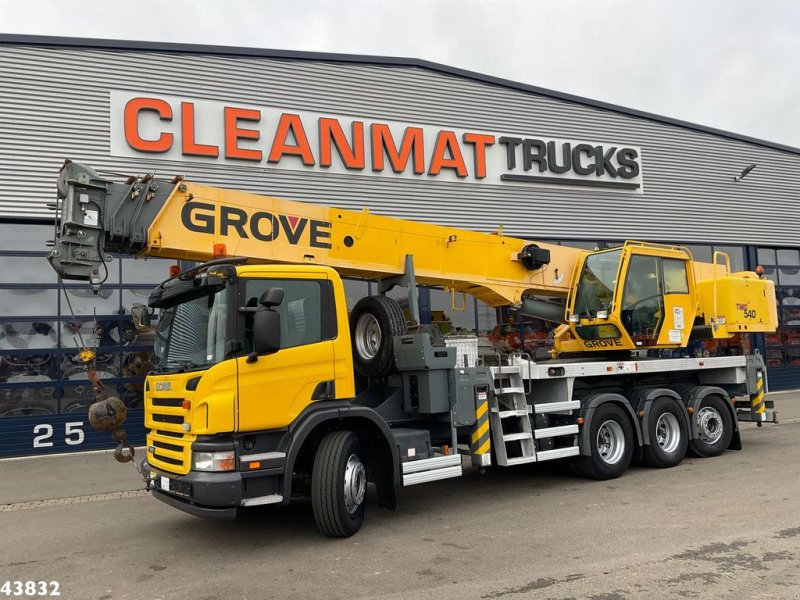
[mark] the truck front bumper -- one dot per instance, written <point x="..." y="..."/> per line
<point x="209" y="495"/>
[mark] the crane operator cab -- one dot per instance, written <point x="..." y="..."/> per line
<point x="640" y="296"/>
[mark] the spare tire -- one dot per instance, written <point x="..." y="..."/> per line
<point x="374" y="321"/>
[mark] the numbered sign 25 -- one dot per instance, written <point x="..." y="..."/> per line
<point x="43" y="434"/>
<point x="70" y="432"/>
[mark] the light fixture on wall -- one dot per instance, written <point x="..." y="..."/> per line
<point x="745" y="172"/>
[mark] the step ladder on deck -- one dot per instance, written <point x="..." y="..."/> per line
<point x="558" y="431"/>
<point x="509" y="417"/>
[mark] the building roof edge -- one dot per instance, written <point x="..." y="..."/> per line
<point x="109" y="44"/>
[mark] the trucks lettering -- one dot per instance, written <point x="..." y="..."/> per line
<point x="582" y="159"/>
<point x="264" y="226"/>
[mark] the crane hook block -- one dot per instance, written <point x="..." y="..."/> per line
<point x="107" y="414"/>
<point x="533" y="257"/>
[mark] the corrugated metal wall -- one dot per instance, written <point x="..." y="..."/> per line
<point x="54" y="104"/>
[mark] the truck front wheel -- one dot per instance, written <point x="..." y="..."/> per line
<point x="611" y="444"/>
<point x="338" y="484"/>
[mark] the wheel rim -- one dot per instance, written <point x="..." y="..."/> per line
<point x="355" y="483"/>
<point x="610" y="442"/>
<point x="668" y="432"/>
<point x="368" y="336"/>
<point x="709" y="425"/>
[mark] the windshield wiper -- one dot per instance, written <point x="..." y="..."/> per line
<point x="179" y="366"/>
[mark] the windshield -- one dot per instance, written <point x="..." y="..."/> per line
<point x="192" y="334"/>
<point x="597" y="282"/>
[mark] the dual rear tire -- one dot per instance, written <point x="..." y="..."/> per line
<point x="667" y="433"/>
<point x="611" y="437"/>
<point x="714" y="425"/>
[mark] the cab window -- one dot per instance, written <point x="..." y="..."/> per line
<point x="675" y="280"/>
<point x="304" y="318"/>
<point x="598" y="278"/>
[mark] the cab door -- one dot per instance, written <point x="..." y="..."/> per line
<point x="679" y="302"/>
<point x="274" y="389"/>
<point x="642" y="305"/>
<point x="656" y="305"/>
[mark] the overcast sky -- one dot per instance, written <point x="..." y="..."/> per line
<point x="730" y="64"/>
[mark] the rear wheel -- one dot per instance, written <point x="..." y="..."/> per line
<point x="714" y="426"/>
<point x="338" y="485"/>
<point x="669" y="439"/>
<point x="611" y="438"/>
<point x="374" y="322"/>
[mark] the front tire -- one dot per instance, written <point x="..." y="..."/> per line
<point x="338" y="485"/>
<point x="611" y="439"/>
<point x="714" y="425"/>
<point x="669" y="439"/>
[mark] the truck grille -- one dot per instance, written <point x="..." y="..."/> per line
<point x="169" y="448"/>
<point x="169" y="454"/>
<point x="177" y="419"/>
<point x="166" y="446"/>
<point x="168" y="402"/>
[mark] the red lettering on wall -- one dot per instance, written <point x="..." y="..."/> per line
<point x="331" y="134"/>
<point x="234" y="133"/>
<point x="131" y="124"/>
<point x="480" y="141"/>
<point x="382" y="141"/>
<point x="447" y="155"/>
<point x="190" y="147"/>
<point x="291" y="124"/>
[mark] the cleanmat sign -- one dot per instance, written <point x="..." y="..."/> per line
<point x="173" y="128"/>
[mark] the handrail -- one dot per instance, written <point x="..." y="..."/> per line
<point x="718" y="253"/>
<point x="453" y="306"/>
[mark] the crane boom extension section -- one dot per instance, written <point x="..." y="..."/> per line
<point x="187" y="221"/>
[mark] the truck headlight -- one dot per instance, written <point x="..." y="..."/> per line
<point x="214" y="461"/>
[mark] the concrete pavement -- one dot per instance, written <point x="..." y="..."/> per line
<point x="727" y="527"/>
<point x="86" y="474"/>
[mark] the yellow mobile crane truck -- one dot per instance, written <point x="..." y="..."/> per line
<point x="265" y="388"/>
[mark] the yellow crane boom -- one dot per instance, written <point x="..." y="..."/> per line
<point x="199" y="222"/>
<point x="637" y="296"/>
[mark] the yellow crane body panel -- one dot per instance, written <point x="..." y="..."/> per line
<point x="738" y="303"/>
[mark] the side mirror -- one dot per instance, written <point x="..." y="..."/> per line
<point x="267" y="324"/>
